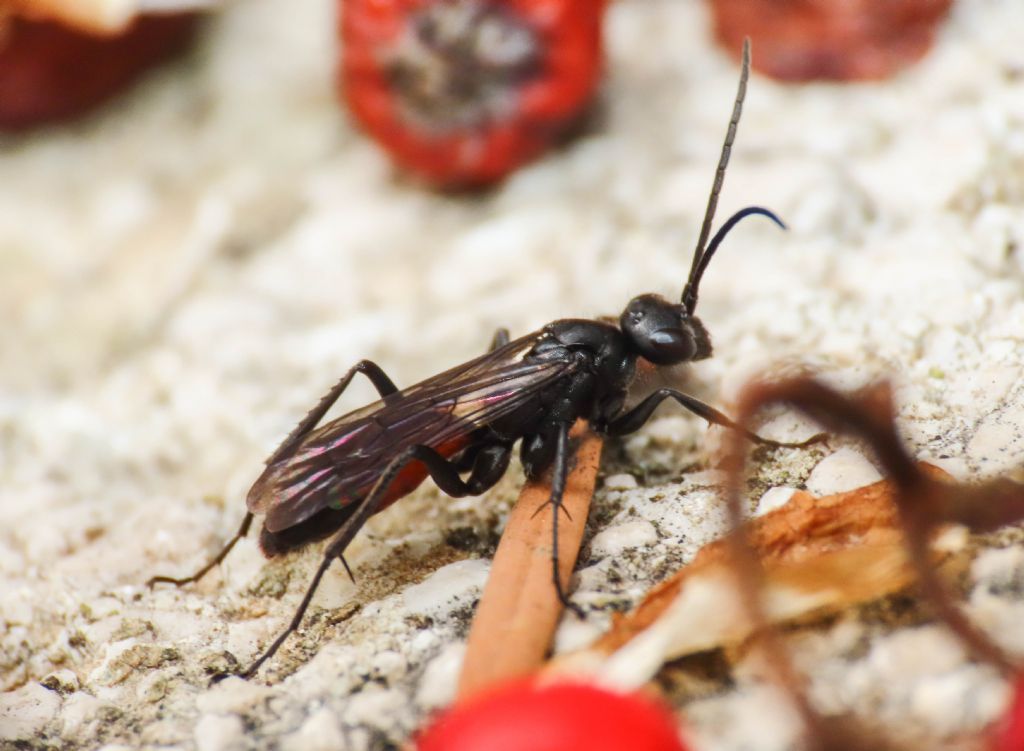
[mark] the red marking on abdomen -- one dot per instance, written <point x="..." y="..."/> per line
<point x="415" y="473"/>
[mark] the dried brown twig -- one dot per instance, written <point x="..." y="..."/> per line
<point x="819" y="555"/>
<point x="519" y="609"/>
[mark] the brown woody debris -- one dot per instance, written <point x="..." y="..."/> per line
<point x="818" y="555"/>
<point x="519" y="610"/>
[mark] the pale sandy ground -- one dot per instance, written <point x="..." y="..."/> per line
<point x="183" y="276"/>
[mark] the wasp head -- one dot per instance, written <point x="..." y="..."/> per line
<point x="664" y="332"/>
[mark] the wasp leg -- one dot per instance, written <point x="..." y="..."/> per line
<point x="490" y="465"/>
<point x="500" y="339"/>
<point x="242" y="532"/>
<point x="635" y="418"/>
<point x="384" y="385"/>
<point x="559" y="472"/>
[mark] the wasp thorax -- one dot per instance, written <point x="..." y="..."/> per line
<point x="663" y="332"/>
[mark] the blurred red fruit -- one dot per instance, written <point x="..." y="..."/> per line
<point x="524" y="716"/>
<point x="1009" y="735"/>
<point x="50" y="72"/>
<point x="462" y="92"/>
<point x="840" y="40"/>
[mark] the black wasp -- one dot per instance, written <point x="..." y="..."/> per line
<point x="327" y="481"/>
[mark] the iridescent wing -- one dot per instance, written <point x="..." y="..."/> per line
<point x="337" y="463"/>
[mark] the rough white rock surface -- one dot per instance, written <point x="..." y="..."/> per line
<point x="184" y="274"/>
<point x="841" y="471"/>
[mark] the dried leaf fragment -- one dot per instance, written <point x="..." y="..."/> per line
<point x="818" y="554"/>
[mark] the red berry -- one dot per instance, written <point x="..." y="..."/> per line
<point x="804" y="40"/>
<point x="50" y="72"/>
<point x="1009" y="735"/>
<point x="462" y="92"/>
<point x="525" y="716"/>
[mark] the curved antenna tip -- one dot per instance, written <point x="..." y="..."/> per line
<point x="771" y="215"/>
<point x="689" y="299"/>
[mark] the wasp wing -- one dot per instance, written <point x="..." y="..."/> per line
<point x="338" y="463"/>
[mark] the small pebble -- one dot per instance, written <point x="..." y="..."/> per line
<point x="437" y="686"/>
<point x="613" y="540"/>
<point x="620" y="482"/>
<point x="574" y="633"/>
<point x="998" y="443"/>
<point x="26" y="711"/>
<point x="320" y="732"/>
<point x="232" y="695"/>
<point x="774" y="498"/>
<point x="78" y="711"/>
<point x="673" y="429"/>
<point x="914" y="654"/>
<point x="938" y="703"/>
<point x="423" y="640"/>
<point x="445" y="588"/>
<point x="389" y="665"/>
<point x="374" y="706"/>
<point x="153" y="687"/>
<point x="840" y="472"/>
<point x="998" y="566"/>
<point x="245" y="639"/>
<point x="216" y="732"/>
<point x="62" y="681"/>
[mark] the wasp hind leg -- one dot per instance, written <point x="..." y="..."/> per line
<point x="385" y="387"/>
<point x="490" y="464"/>
<point x="242" y="532"/>
<point x="635" y="418"/>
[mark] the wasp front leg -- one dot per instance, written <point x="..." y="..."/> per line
<point x="560" y="470"/>
<point x="550" y="448"/>
<point x="635" y="418"/>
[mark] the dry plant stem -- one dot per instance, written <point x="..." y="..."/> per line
<point x="519" y="609"/>
<point x="749" y="581"/>
<point x="811" y="547"/>
<point x="922" y="504"/>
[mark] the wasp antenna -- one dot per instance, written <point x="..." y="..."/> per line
<point x="690" y="293"/>
<point x="690" y="290"/>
